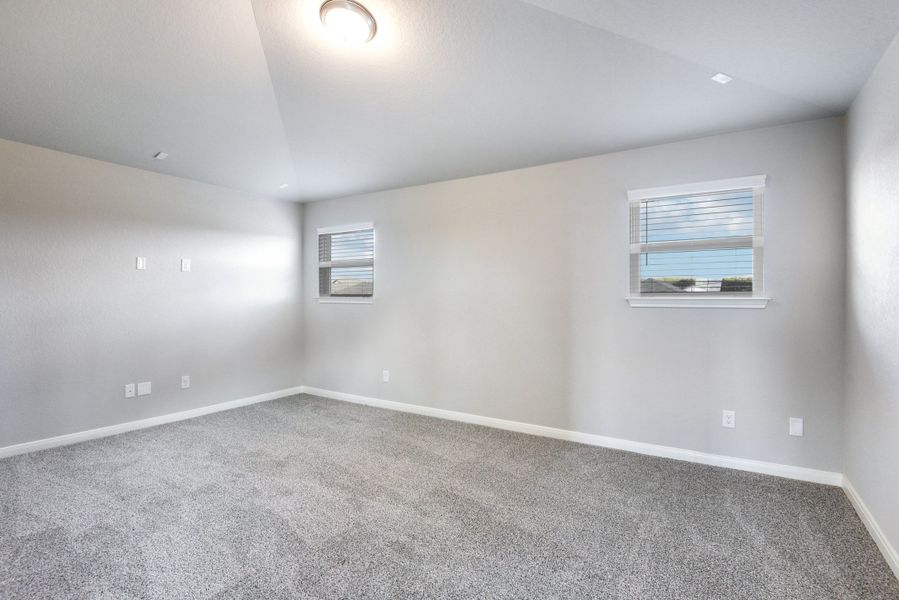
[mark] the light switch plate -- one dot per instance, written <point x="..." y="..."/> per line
<point x="144" y="388"/>
<point x="796" y="427"/>
<point x="129" y="390"/>
<point x="185" y="382"/>
<point x="185" y="265"/>
<point x="141" y="263"/>
<point x="385" y="376"/>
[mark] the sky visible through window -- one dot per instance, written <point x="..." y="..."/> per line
<point x="352" y="244"/>
<point x="349" y="280"/>
<point x="702" y="217"/>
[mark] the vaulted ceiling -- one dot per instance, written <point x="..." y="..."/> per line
<point x="254" y="94"/>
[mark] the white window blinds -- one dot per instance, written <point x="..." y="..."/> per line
<point x="346" y="261"/>
<point x="698" y="239"/>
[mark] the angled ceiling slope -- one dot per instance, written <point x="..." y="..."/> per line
<point x="121" y="81"/>
<point x="819" y="51"/>
<point x="254" y="94"/>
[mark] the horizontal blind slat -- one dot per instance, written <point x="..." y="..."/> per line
<point x="741" y="213"/>
<point x="696" y="198"/>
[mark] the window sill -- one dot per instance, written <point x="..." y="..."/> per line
<point x="701" y="302"/>
<point x="329" y="300"/>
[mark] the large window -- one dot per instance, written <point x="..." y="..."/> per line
<point x="346" y="261"/>
<point x="698" y="240"/>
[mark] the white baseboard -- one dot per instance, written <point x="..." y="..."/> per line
<point x="91" y="434"/>
<point x="886" y="548"/>
<point x="718" y="460"/>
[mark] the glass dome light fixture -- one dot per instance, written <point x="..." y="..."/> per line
<point x="349" y="21"/>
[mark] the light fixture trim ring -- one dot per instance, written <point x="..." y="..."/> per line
<point x="353" y="6"/>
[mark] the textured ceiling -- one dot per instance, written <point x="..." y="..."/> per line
<point x="819" y="51"/>
<point x="253" y="94"/>
<point x="120" y="80"/>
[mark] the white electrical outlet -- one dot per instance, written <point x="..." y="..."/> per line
<point x="144" y="388"/>
<point x="141" y="263"/>
<point x="728" y="419"/>
<point x="129" y="390"/>
<point x="796" y="426"/>
<point x="185" y="265"/>
<point x="385" y="376"/>
<point x="185" y="382"/>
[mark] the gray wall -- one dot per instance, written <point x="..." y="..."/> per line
<point x="500" y="295"/>
<point x="872" y="399"/>
<point x="503" y="296"/>
<point x="77" y="321"/>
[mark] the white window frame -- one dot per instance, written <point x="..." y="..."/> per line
<point x="346" y="229"/>
<point x="755" y="183"/>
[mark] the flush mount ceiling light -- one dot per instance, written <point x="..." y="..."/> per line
<point x="283" y="186"/>
<point x="348" y="21"/>
<point x="722" y="78"/>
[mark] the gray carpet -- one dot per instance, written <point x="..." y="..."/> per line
<point x="311" y="498"/>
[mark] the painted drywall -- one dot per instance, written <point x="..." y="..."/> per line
<point x="78" y="321"/>
<point x="504" y="296"/>
<point x="872" y="340"/>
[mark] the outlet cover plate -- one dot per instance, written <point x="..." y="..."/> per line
<point x="728" y="419"/>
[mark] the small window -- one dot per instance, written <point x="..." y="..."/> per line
<point x="346" y="261"/>
<point x="698" y="240"/>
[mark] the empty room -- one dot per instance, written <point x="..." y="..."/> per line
<point x="423" y="299"/>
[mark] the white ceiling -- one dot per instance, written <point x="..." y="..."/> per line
<point x="252" y="94"/>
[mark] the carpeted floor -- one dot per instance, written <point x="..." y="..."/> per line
<point x="312" y="498"/>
